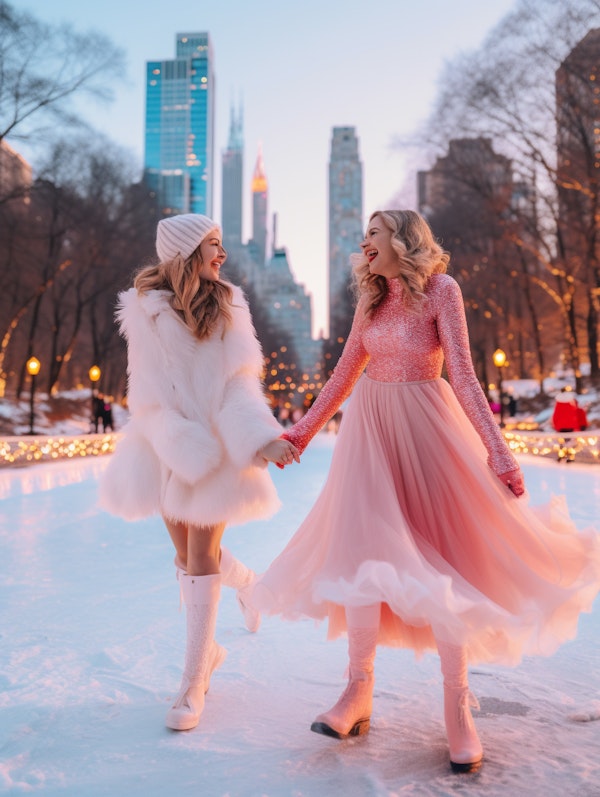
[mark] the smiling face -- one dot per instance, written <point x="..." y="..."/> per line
<point x="377" y="248"/>
<point x="212" y="256"/>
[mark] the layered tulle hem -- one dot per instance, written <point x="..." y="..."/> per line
<point x="412" y="517"/>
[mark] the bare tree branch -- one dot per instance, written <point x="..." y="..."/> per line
<point x="42" y="67"/>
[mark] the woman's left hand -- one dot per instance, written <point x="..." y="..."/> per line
<point x="281" y="452"/>
<point x="513" y="479"/>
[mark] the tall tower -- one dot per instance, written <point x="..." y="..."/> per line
<point x="259" y="211"/>
<point x="345" y="223"/>
<point x="578" y="181"/>
<point x="179" y="151"/>
<point x="578" y="141"/>
<point x="232" y="183"/>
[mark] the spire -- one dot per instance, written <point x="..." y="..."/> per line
<point x="259" y="179"/>
<point x="236" y="128"/>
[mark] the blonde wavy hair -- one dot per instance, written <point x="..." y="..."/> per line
<point x="202" y="304"/>
<point x="419" y="256"/>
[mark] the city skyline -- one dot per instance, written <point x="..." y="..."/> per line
<point x="299" y="72"/>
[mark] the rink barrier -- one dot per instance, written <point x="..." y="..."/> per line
<point x="46" y="448"/>
<point x="565" y="446"/>
<point x="568" y="446"/>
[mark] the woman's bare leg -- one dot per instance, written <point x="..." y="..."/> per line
<point x="204" y="549"/>
<point x="179" y="535"/>
<point x="198" y="548"/>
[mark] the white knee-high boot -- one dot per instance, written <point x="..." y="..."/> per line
<point x="201" y="597"/>
<point x="235" y="574"/>
<point x="351" y="715"/>
<point x="466" y="752"/>
<point x="218" y="654"/>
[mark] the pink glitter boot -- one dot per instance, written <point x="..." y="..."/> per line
<point x="466" y="753"/>
<point x="351" y="715"/>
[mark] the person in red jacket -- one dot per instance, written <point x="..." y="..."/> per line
<point x="568" y="416"/>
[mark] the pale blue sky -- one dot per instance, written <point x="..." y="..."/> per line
<point x="301" y="68"/>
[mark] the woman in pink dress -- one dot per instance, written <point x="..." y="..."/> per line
<point x="419" y="538"/>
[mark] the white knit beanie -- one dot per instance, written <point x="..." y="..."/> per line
<point x="181" y="235"/>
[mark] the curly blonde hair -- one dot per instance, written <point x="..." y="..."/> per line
<point x="419" y="256"/>
<point x="202" y="304"/>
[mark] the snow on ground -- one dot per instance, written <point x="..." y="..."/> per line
<point x="92" y="648"/>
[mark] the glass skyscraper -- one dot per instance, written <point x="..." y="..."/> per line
<point x="180" y="119"/>
<point x="345" y="223"/>
<point x="232" y="184"/>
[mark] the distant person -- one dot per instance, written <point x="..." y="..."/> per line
<point x="200" y="433"/>
<point x="97" y="411"/>
<point x="494" y="406"/>
<point x="418" y="538"/>
<point x="107" y="416"/>
<point x="512" y="405"/>
<point x="568" y="416"/>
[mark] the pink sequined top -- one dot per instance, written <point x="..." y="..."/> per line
<point x="396" y="345"/>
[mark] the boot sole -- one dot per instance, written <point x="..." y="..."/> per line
<point x="360" y="727"/>
<point x="182" y="725"/>
<point x="470" y="766"/>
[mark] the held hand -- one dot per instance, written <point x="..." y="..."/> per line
<point x="281" y="452"/>
<point x="514" y="481"/>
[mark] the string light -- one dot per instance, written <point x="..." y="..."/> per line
<point x="572" y="446"/>
<point x="43" y="449"/>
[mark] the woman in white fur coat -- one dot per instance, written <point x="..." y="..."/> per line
<point x="196" y="446"/>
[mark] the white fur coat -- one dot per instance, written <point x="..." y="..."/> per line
<point x="198" y="419"/>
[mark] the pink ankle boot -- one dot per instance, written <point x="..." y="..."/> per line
<point x="351" y="715"/>
<point x="466" y="753"/>
<point x="201" y="597"/>
<point x="235" y="574"/>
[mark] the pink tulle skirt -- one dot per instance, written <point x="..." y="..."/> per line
<point x="412" y="517"/>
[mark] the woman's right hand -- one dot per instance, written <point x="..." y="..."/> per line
<point x="513" y="479"/>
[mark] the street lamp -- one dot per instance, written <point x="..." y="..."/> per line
<point x="33" y="369"/>
<point x="94" y="374"/>
<point x="499" y="358"/>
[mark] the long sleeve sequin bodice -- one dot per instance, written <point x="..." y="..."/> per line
<point x="397" y="345"/>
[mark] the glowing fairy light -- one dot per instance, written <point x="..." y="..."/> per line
<point x="568" y="446"/>
<point x="42" y="449"/>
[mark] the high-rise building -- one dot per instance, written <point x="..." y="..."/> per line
<point x="474" y="207"/>
<point x="471" y="184"/>
<point x="578" y="184"/>
<point x="260" y="189"/>
<point x="345" y="223"/>
<point x="578" y="140"/>
<point x="179" y="152"/>
<point x="232" y="184"/>
<point x="288" y="306"/>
